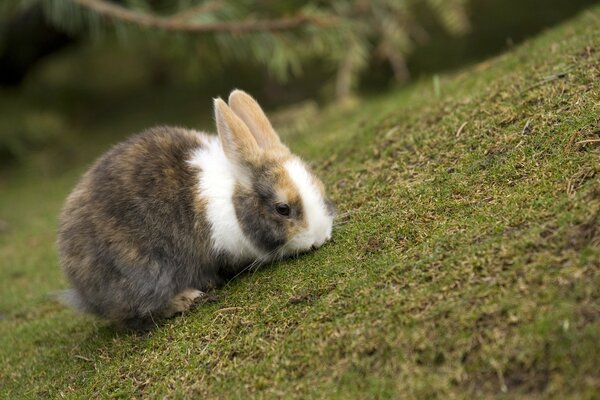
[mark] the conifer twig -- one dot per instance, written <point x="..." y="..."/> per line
<point x="204" y="8"/>
<point x="176" y="23"/>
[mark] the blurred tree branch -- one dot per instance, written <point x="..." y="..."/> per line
<point x="283" y="35"/>
<point x="178" y="22"/>
<point x="203" y="8"/>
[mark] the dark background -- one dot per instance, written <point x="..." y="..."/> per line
<point x="64" y="93"/>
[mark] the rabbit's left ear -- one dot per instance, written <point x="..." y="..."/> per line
<point x="238" y="144"/>
<point x="245" y="107"/>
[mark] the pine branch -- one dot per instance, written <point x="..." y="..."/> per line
<point x="176" y="23"/>
<point x="192" y="12"/>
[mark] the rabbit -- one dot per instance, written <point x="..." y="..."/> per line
<point x="171" y="213"/>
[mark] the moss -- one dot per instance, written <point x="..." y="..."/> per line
<point x="465" y="262"/>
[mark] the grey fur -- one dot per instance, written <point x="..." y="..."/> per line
<point x="254" y="209"/>
<point x="71" y="298"/>
<point x="132" y="233"/>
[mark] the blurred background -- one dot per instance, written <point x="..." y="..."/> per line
<point x="77" y="75"/>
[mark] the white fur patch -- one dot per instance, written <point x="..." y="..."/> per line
<point x="217" y="183"/>
<point x="318" y="220"/>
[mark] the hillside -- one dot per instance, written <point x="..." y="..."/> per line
<point x="465" y="259"/>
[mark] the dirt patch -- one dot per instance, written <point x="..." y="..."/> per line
<point x="585" y="233"/>
<point x="302" y="298"/>
<point x="307" y="297"/>
<point x="373" y="245"/>
<point x="527" y="379"/>
<point x="515" y="377"/>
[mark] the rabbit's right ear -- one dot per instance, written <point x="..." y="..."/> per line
<point x="245" y="107"/>
<point x="239" y="145"/>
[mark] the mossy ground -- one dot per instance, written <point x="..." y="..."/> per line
<point x="465" y="261"/>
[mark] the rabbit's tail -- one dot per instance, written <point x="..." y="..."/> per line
<point x="71" y="298"/>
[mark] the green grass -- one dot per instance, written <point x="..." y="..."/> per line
<point x="465" y="262"/>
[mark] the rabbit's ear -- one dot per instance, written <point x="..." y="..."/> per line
<point x="245" y="107"/>
<point x="239" y="145"/>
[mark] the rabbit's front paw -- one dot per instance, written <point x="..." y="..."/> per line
<point x="182" y="302"/>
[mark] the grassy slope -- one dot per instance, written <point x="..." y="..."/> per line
<point x="466" y="261"/>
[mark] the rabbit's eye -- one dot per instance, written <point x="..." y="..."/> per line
<point x="282" y="209"/>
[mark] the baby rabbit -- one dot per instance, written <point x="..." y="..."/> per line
<point x="170" y="212"/>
